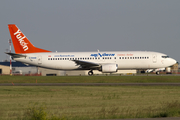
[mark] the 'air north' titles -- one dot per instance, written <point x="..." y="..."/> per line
<point x="20" y="39"/>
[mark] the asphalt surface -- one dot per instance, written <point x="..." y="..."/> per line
<point x="170" y="118"/>
<point x="89" y="84"/>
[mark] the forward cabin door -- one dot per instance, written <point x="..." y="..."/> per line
<point x="39" y="60"/>
<point x="154" y="58"/>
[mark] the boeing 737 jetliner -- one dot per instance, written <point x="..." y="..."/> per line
<point x="106" y="61"/>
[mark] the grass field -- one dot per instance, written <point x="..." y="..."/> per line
<point x="90" y="79"/>
<point x="89" y="102"/>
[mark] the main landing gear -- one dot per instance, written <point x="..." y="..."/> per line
<point x="90" y="73"/>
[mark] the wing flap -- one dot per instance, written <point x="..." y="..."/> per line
<point x="85" y="64"/>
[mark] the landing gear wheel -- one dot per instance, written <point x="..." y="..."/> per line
<point x="90" y="73"/>
<point x="157" y="73"/>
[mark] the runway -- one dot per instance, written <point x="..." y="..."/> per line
<point x="168" y="118"/>
<point x="89" y="84"/>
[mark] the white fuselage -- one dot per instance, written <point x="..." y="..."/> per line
<point x="124" y="59"/>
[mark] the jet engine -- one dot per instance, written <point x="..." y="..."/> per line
<point x="109" y="68"/>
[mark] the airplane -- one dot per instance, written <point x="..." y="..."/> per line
<point x="105" y="61"/>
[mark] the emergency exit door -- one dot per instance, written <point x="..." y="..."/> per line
<point x="39" y="59"/>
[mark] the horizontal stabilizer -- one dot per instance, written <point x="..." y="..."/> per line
<point x="16" y="55"/>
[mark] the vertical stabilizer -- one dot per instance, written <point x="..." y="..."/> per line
<point x="20" y="42"/>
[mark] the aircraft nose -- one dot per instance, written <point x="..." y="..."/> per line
<point x="169" y="62"/>
<point x="173" y="61"/>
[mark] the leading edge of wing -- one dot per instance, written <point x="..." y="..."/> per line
<point x="85" y="64"/>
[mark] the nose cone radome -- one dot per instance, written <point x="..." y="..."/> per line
<point x="172" y="61"/>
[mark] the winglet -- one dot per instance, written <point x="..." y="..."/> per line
<point x="21" y="42"/>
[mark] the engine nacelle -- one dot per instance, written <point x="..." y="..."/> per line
<point x="109" y="68"/>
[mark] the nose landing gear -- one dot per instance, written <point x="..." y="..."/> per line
<point x="157" y="73"/>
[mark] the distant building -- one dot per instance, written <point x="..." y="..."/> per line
<point x="96" y="72"/>
<point x="4" y="69"/>
<point x="175" y="68"/>
<point x="22" y="69"/>
<point x="50" y="72"/>
<point x="17" y="68"/>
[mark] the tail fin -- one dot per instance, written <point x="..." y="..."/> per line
<point x="21" y="43"/>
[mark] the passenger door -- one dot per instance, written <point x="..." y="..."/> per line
<point x="154" y="58"/>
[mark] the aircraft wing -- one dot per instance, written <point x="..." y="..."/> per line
<point x="16" y="55"/>
<point x="85" y="64"/>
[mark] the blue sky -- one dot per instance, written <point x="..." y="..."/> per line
<point x="88" y="25"/>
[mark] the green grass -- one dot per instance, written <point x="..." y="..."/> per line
<point x="89" y="102"/>
<point x="90" y="79"/>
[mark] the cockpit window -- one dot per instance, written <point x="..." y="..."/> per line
<point x="165" y="56"/>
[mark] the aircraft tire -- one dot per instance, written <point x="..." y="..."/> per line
<point x="157" y="73"/>
<point x="90" y="73"/>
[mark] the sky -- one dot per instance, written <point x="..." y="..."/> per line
<point x="88" y="25"/>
